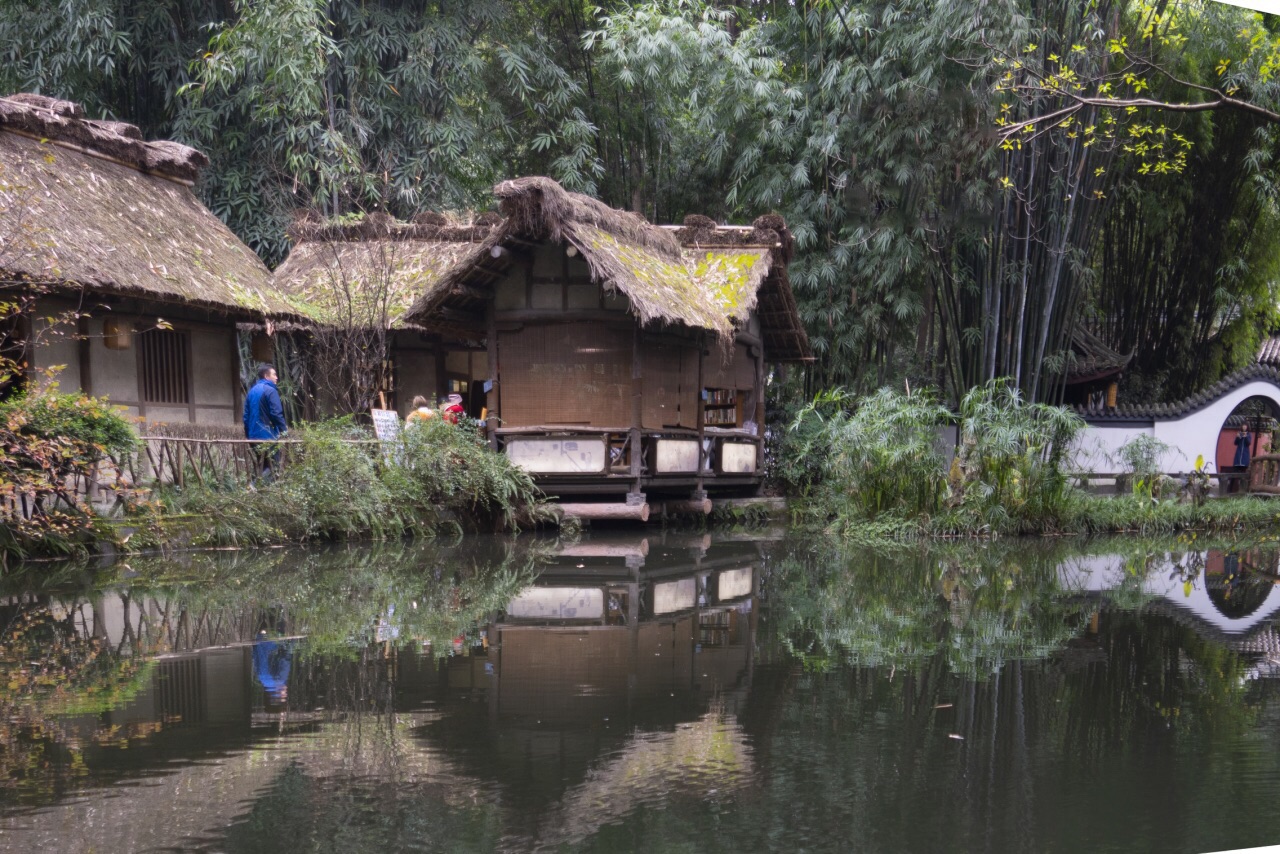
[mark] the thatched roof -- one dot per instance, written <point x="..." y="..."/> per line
<point x="88" y="204"/>
<point x="699" y="275"/>
<point x="358" y="266"/>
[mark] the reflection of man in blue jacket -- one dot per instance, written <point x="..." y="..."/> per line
<point x="271" y="665"/>
<point x="264" y="418"/>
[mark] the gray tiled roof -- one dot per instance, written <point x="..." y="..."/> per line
<point x="1269" y="352"/>
<point x="1183" y="408"/>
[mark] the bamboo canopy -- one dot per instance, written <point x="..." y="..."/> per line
<point x="89" y="205"/>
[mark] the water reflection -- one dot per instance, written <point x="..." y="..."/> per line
<point x="623" y="693"/>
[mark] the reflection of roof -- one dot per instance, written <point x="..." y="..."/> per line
<point x="1185" y="407"/>
<point x="652" y="768"/>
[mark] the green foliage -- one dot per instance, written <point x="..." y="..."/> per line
<point x="332" y="488"/>
<point x="1010" y="470"/>
<point x="885" y="459"/>
<point x="1142" y="456"/>
<point x="882" y="457"/>
<point x="93" y="423"/>
<point x="51" y="443"/>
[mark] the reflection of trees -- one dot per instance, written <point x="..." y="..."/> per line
<point x="1003" y="745"/>
<point x="49" y="674"/>
<point x="59" y="672"/>
<point x="339" y="598"/>
<point x="978" y="607"/>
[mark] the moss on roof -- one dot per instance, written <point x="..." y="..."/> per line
<point x="74" y="219"/>
<point x="383" y="276"/>
<point x="731" y="277"/>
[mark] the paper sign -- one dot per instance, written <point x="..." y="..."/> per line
<point x="386" y="424"/>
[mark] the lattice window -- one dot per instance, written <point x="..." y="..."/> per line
<point x="163" y="356"/>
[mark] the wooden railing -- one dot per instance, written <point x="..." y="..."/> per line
<point x="1227" y="482"/>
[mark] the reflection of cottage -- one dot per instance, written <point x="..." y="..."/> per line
<point x="623" y="670"/>
<point x="616" y="357"/>
<point x="102" y="231"/>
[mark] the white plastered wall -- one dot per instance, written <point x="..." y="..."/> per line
<point x="1096" y="448"/>
<point x="1198" y="432"/>
<point x="1188" y="437"/>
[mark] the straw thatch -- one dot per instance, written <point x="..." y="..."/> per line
<point x="376" y="280"/>
<point x="63" y="123"/>
<point x="700" y="275"/>
<point x="73" y="218"/>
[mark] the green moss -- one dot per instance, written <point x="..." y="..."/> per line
<point x="727" y="276"/>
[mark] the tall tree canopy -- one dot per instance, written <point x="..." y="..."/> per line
<point x="969" y="180"/>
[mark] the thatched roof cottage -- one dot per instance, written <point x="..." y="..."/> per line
<point x="615" y="357"/>
<point x="135" y="285"/>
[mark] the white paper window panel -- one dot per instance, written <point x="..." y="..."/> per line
<point x="733" y="584"/>
<point x="672" y="596"/>
<point x="737" y="458"/>
<point x="676" y="455"/>
<point x="558" y="603"/>
<point x="557" y="455"/>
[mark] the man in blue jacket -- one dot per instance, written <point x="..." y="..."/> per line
<point x="264" y="419"/>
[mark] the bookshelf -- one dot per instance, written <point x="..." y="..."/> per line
<point x="722" y="408"/>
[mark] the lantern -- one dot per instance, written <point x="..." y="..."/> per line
<point x="116" y="334"/>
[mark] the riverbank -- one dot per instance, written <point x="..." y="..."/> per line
<point x="1081" y="514"/>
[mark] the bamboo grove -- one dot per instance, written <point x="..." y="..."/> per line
<point x="969" y="182"/>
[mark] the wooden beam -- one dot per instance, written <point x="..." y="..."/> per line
<point x="464" y="290"/>
<point x="492" y="399"/>
<point x="82" y="347"/>
<point x="637" y="408"/>
<point x="466" y="318"/>
<point x="634" y="512"/>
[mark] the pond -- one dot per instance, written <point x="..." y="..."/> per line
<point x="664" y="691"/>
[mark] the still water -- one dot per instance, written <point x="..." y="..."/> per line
<point x="656" y="692"/>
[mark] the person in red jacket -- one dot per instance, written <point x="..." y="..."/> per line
<point x="452" y="409"/>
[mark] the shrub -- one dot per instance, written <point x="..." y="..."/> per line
<point x="1141" y="458"/>
<point x="885" y="459"/>
<point x="337" y="489"/>
<point x="47" y="440"/>
<point x="1011" y="462"/>
<point x="881" y="458"/>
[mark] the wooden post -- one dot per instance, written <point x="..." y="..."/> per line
<point x="637" y="403"/>
<point x="703" y="459"/>
<point x="759" y="349"/>
<point x="236" y="390"/>
<point x="82" y="346"/>
<point x="491" y="399"/>
<point x="441" y="381"/>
